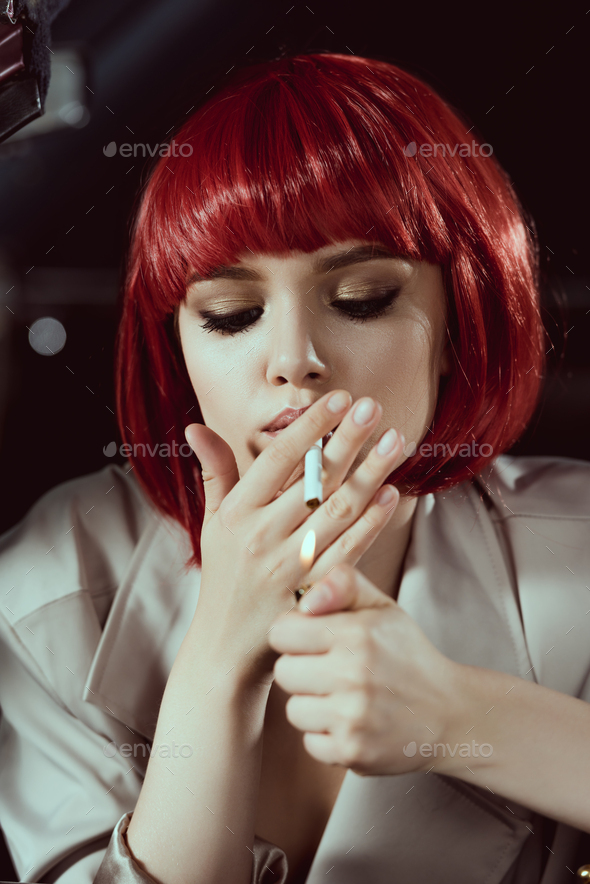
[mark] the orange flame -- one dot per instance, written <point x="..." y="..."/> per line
<point x="307" y="550"/>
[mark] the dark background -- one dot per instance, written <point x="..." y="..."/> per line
<point x="518" y="70"/>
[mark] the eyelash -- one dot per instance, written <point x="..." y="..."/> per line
<point x="375" y="307"/>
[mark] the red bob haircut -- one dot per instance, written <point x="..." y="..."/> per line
<point x="298" y="153"/>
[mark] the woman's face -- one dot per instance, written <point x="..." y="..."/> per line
<point x="295" y="337"/>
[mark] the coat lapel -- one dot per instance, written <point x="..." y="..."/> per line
<point x="424" y="826"/>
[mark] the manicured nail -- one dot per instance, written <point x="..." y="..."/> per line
<point x="363" y="412"/>
<point x="319" y="595"/>
<point x="385" y="495"/>
<point x="339" y="401"/>
<point x="387" y="443"/>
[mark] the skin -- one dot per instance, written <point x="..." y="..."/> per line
<point x="302" y="346"/>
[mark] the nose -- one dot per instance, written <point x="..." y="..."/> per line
<point x="297" y="348"/>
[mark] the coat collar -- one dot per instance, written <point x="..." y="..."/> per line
<point x="458" y="585"/>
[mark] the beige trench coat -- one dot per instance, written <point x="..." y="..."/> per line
<point x="95" y="604"/>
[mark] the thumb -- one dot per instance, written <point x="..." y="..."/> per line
<point x="344" y="588"/>
<point x="218" y="465"/>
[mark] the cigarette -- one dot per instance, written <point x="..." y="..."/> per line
<point x="312" y="480"/>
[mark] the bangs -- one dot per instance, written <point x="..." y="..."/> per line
<point x="303" y="159"/>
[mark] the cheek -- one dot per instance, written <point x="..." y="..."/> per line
<point x="222" y="386"/>
<point x="209" y="360"/>
<point x="210" y="382"/>
<point x="202" y="377"/>
<point x="409" y="381"/>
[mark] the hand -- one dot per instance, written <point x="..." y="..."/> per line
<point x="365" y="679"/>
<point x="251" y="536"/>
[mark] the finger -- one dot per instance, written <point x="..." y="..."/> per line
<point x="350" y="546"/>
<point x="298" y="634"/>
<point x="337" y="457"/>
<point x="218" y="465"/>
<point x="306" y="674"/>
<point x="345" y="588"/>
<point x="322" y="747"/>
<point x="277" y="462"/>
<point x="355" y="429"/>
<point x="345" y="506"/>
<point x="311" y="714"/>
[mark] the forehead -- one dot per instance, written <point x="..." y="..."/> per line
<point x="251" y="266"/>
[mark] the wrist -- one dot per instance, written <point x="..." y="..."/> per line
<point x="230" y="664"/>
<point x="465" y="743"/>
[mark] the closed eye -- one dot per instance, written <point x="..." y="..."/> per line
<point x="356" y="310"/>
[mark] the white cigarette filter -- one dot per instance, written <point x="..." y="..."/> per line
<point x="312" y="480"/>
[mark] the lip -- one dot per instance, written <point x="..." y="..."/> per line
<point x="325" y="439"/>
<point x="283" y="419"/>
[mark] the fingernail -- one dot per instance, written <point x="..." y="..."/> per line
<point x="385" y="495"/>
<point x="363" y="412"/>
<point x="338" y="402"/>
<point x="387" y="443"/>
<point x="318" y="596"/>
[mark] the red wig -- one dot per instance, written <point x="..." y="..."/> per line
<point x="306" y="151"/>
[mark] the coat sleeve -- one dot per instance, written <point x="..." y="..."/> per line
<point x="60" y="796"/>
<point x="64" y="805"/>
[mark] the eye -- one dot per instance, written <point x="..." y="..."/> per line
<point x="232" y="323"/>
<point x="360" y="311"/>
<point x="356" y="310"/>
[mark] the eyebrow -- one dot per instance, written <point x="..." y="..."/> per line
<point x="335" y="261"/>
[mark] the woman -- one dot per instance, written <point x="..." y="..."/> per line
<point x="331" y="249"/>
